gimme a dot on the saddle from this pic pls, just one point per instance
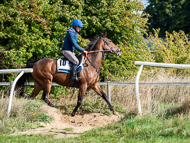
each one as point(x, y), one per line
point(64, 65)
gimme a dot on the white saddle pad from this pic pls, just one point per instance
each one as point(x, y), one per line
point(67, 67)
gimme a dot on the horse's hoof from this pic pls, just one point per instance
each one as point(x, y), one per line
point(51, 105)
point(73, 114)
point(115, 113)
point(29, 98)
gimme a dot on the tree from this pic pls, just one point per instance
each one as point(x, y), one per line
point(34, 29)
point(26, 33)
point(174, 48)
point(168, 15)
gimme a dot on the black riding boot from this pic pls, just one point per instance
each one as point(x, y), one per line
point(74, 74)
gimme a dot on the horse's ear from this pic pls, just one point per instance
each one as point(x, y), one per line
point(101, 34)
point(105, 34)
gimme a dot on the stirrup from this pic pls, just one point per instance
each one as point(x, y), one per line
point(75, 79)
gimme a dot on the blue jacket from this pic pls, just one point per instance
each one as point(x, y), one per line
point(70, 42)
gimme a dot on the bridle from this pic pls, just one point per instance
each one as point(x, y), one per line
point(103, 52)
point(105, 42)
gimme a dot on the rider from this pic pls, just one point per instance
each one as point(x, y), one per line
point(69, 46)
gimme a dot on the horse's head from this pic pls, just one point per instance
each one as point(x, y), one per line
point(109, 45)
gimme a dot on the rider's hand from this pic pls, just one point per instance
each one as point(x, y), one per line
point(85, 52)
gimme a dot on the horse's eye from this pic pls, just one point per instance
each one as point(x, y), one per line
point(110, 41)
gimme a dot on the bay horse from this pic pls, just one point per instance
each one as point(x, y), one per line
point(45, 72)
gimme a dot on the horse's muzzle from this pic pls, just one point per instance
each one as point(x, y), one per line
point(118, 52)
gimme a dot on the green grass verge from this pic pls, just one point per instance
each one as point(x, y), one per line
point(24, 115)
point(173, 129)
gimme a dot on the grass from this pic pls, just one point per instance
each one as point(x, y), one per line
point(165, 113)
point(167, 128)
point(145, 129)
point(24, 115)
point(68, 129)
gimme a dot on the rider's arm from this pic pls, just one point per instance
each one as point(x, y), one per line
point(73, 40)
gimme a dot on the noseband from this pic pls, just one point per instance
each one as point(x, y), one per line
point(106, 42)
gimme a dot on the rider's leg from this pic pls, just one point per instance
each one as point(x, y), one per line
point(72, 58)
point(74, 74)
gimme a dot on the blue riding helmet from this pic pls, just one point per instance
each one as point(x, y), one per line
point(77, 22)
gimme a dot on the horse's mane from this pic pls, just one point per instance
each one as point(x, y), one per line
point(93, 43)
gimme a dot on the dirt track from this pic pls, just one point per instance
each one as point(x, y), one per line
point(79, 123)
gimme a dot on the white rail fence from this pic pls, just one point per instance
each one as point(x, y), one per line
point(182, 66)
point(22, 71)
point(108, 83)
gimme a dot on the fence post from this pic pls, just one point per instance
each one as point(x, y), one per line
point(12, 90)
point(11, 84)
point(108, 91)
point(137, 90)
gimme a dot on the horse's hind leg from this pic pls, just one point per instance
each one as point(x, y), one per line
point(37, 88)
point(45, 95)
point(98, 90)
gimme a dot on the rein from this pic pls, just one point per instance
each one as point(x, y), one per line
point(103, 52)
point(90, 52)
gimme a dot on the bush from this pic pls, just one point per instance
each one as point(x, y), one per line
point(35, 29)
point(173, 49)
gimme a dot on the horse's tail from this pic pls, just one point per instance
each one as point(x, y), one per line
point(20, 83)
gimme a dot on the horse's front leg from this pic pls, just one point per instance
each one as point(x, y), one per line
point(82, 90)
point(98, 90)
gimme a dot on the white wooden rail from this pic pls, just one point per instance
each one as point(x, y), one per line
point(22, 71)
point(183, 66)
point(108, 83)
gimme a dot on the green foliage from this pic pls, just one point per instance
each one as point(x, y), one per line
point(35, 29)
point(119, 18)
point(122, 67)
point(173, 49)
point(172, 15)
point(26, 31)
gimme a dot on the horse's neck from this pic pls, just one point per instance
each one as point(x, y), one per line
point(96, 58)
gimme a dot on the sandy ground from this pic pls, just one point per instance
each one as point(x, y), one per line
point(78, 123)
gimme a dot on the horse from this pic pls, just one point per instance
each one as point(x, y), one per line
point(45, 72)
